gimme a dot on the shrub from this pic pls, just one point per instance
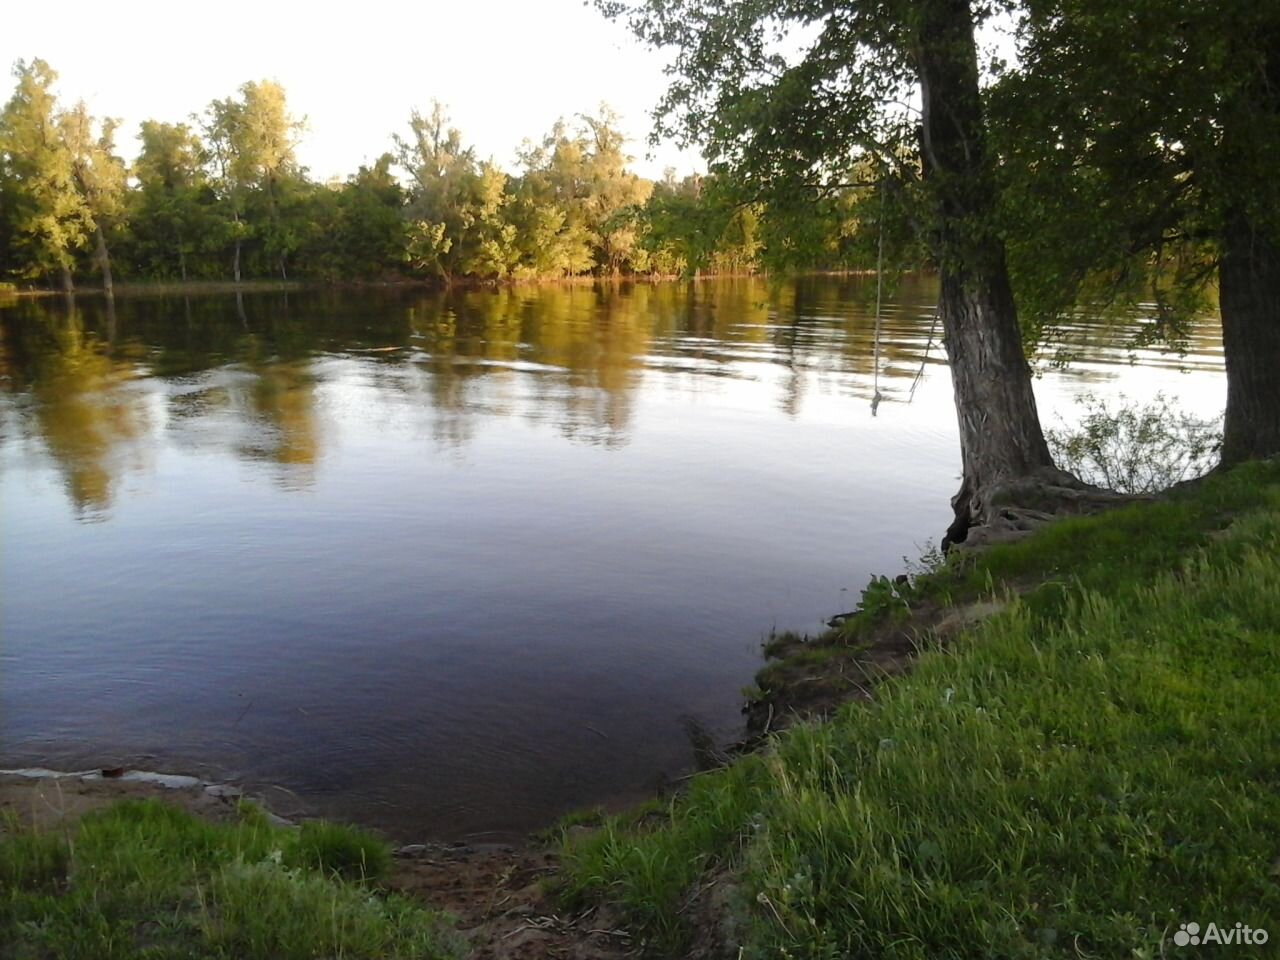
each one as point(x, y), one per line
point(1136, 448)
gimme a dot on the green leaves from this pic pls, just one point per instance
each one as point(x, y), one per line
point(1126, 136)
point(1136, 448)
point(50, 217)
point(223, 195)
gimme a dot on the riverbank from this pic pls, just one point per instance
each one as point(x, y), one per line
point(1082, 761)
point(125, 869)
point(136, 288)
point(1058, 747)
point(131, 864)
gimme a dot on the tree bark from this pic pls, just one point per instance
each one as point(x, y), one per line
point(68, 284)
point(1002, 447)
point(1249, 298)
point(1249, 271)
point(236, 268)
point(104, 262)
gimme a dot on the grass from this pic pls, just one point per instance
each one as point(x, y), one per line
point(1075, 777)
point(144, 879)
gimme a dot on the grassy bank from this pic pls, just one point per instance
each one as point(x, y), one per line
point(144, 879)
point(1076, 776)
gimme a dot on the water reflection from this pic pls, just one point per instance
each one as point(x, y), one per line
point(73, 391)
point(410, 554)
point(94, 382)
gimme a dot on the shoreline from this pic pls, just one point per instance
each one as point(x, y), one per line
point(498, 894)
point(139, 288)
point(1025, 688)
point(116, 776)
point(981, 657)
point(53, 796)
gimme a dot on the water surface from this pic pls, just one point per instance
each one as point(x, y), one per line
point(457, 564)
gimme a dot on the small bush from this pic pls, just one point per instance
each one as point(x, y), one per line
point(1136, 448)
point(930, 562)
point(883, 598)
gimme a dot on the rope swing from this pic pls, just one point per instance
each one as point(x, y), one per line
point(875, 376)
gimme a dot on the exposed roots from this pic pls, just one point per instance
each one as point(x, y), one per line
point(1010, 508)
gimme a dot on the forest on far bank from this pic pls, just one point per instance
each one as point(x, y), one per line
point(222, 196)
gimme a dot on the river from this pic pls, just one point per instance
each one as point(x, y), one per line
point(452, 565)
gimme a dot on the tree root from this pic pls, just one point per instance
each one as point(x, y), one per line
point(1010, 509)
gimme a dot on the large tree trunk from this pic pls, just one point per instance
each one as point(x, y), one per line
point(1002, 446)
point(236, 268)
point(104, 262)
point(68, 284)
point(1249, 297)
point(1249, 272)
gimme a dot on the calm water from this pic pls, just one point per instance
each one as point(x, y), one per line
point(458, 564)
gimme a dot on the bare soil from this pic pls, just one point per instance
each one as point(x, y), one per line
point(500, 896)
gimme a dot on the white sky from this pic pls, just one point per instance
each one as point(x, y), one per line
point(506, 69)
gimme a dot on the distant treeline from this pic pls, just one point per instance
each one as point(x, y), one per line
point(223, 197)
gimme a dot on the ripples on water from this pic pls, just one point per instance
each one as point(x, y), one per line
point(460, 563)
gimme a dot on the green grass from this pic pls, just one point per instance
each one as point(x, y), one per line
point(814, 656)
point(1074, 778)
point(1126, 546)
point(144, 879)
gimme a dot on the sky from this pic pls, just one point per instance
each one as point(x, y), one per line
point(505, 69)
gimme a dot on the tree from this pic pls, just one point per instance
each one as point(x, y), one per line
point(550, 193)
point(252, 141)
point(442, 171)
point(683, 226)
point(614, 195)
point(229, 177)
point(50, 218)
point(99, 176)
point(172, 203)
point(796, 125)
point(1154, 127)
point(577, 179)
point(694, 224)
point(358, 228)
point(458, 207)
point(487, 246)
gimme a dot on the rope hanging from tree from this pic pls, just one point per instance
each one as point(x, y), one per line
point(875, 376)
point(933, 328)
